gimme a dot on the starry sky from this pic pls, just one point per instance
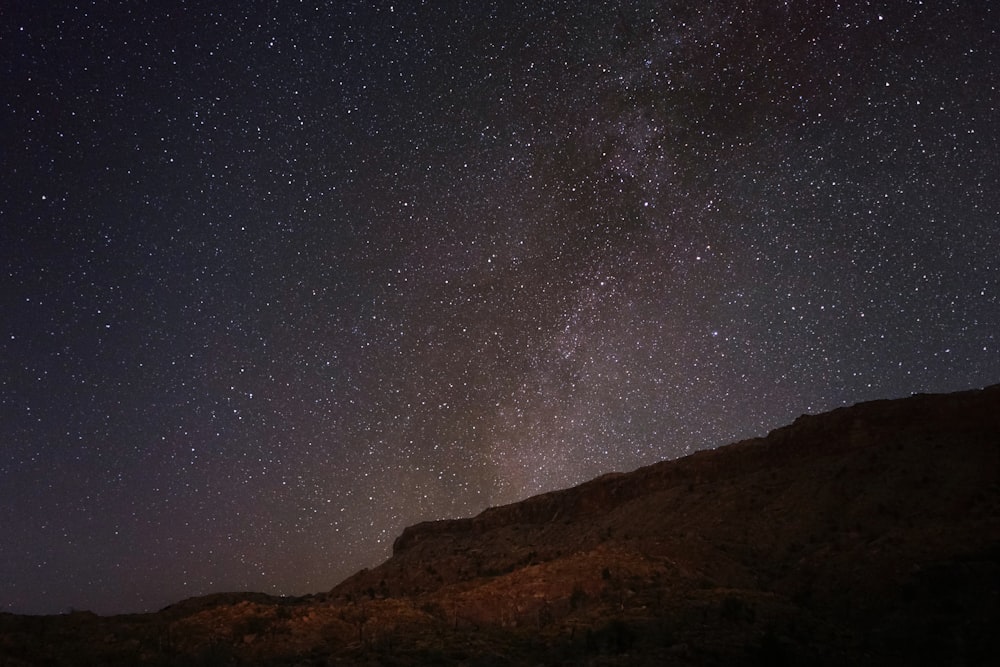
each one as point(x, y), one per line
point(281, 278)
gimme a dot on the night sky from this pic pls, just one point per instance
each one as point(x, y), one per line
point(282, 278)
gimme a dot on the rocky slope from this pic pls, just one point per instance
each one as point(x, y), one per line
point(867, 535)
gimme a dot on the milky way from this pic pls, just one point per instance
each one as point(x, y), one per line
point(281, 280)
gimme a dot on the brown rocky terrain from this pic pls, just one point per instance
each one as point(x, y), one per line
point(866, 535)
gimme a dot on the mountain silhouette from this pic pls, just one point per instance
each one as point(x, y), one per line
point(865, 535)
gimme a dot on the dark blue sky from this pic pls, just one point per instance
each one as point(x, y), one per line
point(280, 279)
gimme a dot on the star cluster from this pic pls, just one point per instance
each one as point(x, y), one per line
point(280, 279)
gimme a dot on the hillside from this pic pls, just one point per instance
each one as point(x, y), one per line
point(866, 535)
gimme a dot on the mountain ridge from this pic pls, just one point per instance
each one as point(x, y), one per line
point(493, 516)
point(809, 437)
point(869, 534)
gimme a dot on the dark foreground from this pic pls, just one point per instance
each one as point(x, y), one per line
point(867, 535)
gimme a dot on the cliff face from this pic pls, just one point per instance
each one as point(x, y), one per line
point(866, 535)
point(835, 533)
point(855, 473)
point(964, 418)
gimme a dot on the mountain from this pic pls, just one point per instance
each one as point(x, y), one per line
point(866, 535)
